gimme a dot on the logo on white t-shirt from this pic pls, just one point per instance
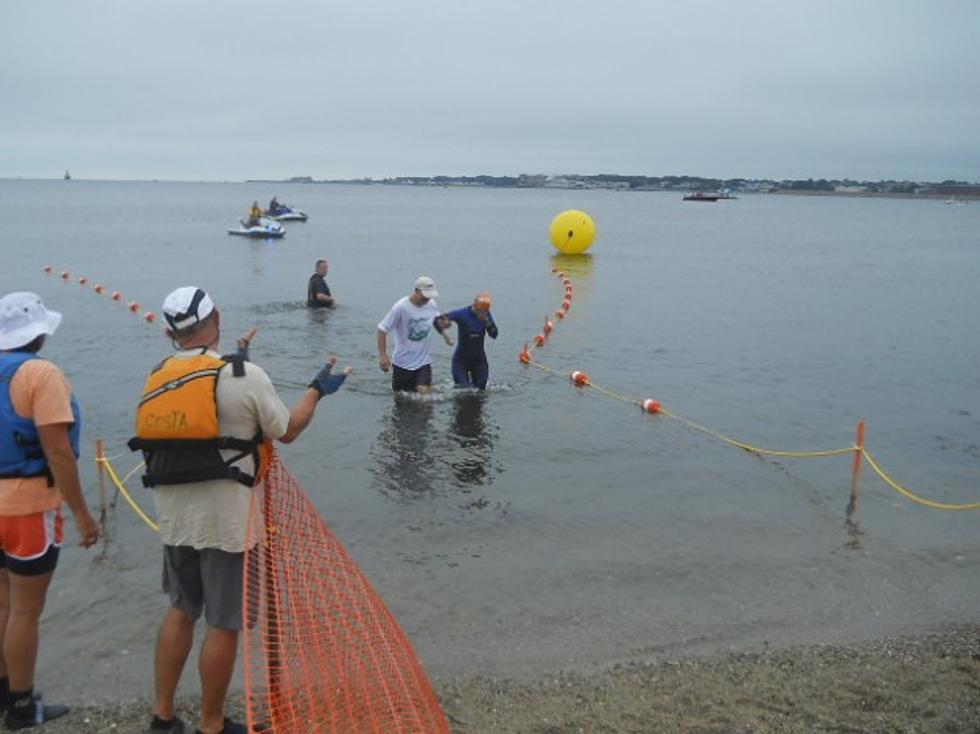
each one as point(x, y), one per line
point(418, 329)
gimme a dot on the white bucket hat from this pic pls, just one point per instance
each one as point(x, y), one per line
point(23, 318)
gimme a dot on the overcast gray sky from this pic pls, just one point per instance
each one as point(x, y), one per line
point(232, 89)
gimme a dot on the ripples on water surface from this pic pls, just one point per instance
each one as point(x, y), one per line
point(538, 525)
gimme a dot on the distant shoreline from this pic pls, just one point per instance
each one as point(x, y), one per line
point(878, 195)
point(970, 192)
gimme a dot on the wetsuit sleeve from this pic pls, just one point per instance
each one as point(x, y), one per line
point(491, 326)
point(311, 291)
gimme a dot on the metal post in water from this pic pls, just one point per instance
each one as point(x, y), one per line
point(856, 472)
point(103, 514)
point(100, 460)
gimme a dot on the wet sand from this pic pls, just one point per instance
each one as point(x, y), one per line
point(924, 683)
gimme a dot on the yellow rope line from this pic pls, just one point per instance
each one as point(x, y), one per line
point(750, 447)
point(697, 426)
point(125, 493)
point(133, 471)
point(614, 395)
point(904, 491)
point(910, 495)
point(545, 368)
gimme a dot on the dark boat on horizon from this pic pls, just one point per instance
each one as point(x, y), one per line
point(701, 196)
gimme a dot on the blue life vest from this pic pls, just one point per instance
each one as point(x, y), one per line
point(20, 447)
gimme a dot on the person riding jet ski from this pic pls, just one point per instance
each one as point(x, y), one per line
point(254, 215)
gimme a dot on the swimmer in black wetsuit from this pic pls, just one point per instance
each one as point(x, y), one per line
point(470, 368)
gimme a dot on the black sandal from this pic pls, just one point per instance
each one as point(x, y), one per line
point(42, 714)
point(167, 726)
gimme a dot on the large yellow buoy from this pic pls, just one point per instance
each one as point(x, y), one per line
point(572, 232)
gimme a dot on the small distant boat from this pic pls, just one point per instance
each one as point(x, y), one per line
point(954, 200)
point(702, 196)
point(286, 213)
point(265, 229)
point(67, 176)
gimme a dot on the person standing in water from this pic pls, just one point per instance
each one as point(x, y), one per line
point(470, 367)
point(39, 431)
point(410, 321)
point(317, 291)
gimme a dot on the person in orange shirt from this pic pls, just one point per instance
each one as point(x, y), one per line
point(39, 427)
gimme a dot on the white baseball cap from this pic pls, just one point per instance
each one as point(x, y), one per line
point(426, 286)
point(187, 306)
point(23, 318)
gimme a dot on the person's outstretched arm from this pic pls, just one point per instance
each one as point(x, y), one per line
point(301, 415)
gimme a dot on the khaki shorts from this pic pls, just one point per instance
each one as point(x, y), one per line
point(208, 579)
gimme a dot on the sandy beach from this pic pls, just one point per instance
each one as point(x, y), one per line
point(921, 684)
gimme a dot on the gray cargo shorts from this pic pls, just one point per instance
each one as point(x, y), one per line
point(208, 579)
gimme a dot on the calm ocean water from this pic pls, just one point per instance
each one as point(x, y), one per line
point(540, 526)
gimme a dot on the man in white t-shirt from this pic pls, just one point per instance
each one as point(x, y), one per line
point(200, 425)
point(410, 322)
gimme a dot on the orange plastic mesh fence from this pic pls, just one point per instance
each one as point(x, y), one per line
point(323, 654)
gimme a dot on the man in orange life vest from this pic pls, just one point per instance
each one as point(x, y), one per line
point(201, 425)
point(39, 430)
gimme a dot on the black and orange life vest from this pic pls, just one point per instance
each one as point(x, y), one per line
point(177, 424)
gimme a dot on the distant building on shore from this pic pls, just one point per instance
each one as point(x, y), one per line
point(957, 190)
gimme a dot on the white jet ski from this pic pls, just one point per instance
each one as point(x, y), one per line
point(286, 213)
point(265, 229)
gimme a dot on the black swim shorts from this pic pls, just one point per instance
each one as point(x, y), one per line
point(403, 380)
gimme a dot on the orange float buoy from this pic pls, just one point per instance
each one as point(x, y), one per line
point(150, 317)
point(548, 325)
point(48, 269)
point(566, 282)
point(539, 340)
point(99, 288)
point(650, 406)
point(65, 275)
point(566, 304)
point(559, 314)
point(83, 280)
point(134, 306)
point(579, 378)
point(116, 296)
point(525, 355)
